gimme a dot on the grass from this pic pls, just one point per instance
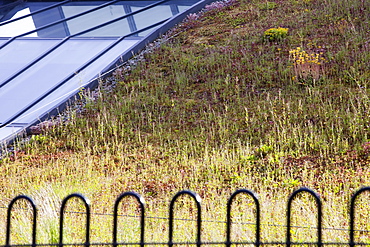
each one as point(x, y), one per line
point(215, 108)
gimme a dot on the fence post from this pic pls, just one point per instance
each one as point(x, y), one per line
point(141, 202)
point(8, 225)
point(61, 222)
point(319, 215)
point(258, 216)
point(197, 199)
point(352, 215)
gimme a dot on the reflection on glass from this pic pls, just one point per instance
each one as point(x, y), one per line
point(19, 53)
point(96, 18)
point(18, 27)
point(157, 14)
point(88, 20)
point(116, 29)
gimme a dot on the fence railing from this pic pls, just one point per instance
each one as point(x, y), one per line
point(228, 241)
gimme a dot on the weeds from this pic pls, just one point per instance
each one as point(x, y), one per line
point(214, 109)
point(267, 5)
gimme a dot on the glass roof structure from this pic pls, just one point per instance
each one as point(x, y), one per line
point(49, 50)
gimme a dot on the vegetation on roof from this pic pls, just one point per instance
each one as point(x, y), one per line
point(263, 95)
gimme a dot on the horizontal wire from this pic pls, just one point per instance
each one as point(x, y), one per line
point(222, 222)
point(212, 221)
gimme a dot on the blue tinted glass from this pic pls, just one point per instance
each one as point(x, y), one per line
point(21, 52)
point(29, 23)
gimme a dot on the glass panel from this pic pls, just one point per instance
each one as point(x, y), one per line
point(9, 131)
point(2, 41)
point(13, 12)
point(156, 14)
point(84, 22)
point(45, 18)
point(27, 95)
point(32, 22)
point(20, 26)
point(96, 18)
point(47, 73)
point(183, 8)
point(19, 53)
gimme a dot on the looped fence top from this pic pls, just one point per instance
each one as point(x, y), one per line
point(196, 198)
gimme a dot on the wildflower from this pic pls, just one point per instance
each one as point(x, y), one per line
point(274, 34)
point(216, 5)
point(306, 65)
point(192, 17)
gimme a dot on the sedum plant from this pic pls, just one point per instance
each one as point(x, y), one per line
point(275, 34)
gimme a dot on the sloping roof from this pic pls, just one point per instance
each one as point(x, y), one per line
point(50, 50)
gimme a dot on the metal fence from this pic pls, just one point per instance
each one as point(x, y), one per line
point(228, 241)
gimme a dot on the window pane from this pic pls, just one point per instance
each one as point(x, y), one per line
point(19, 53)
point(157, 14)
point(96, 18)
point(18, 27)
point(24, 89)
